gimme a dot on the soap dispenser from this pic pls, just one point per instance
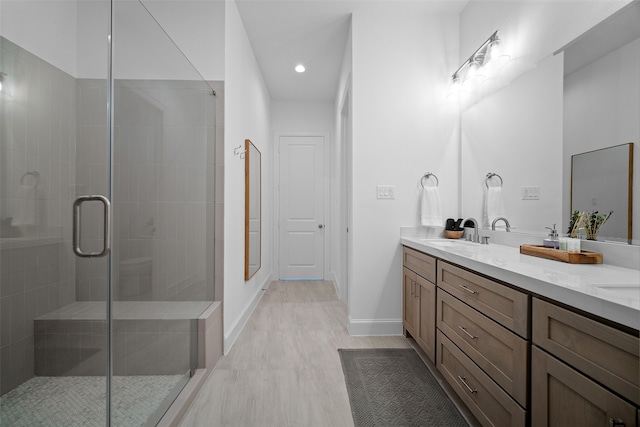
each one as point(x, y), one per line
point(552, 241)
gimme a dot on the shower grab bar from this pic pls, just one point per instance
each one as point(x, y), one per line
point(106, 246)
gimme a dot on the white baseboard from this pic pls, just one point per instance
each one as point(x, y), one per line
point(231, 336)
point(375, 327)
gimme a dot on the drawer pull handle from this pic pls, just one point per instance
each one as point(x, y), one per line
point(616, 422)
point(463, 329)
point(471, 390)
point(471, 291)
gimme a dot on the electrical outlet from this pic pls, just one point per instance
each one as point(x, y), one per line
point(530, 193)
point(386, 191)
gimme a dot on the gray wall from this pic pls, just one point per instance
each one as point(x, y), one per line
point(37, 270)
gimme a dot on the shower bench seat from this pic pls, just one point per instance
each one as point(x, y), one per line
point(149, 337)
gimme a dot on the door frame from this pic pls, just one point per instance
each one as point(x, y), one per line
point(276, 191)
point(345, 191)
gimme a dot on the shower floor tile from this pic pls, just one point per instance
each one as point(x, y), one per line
point(80, 401)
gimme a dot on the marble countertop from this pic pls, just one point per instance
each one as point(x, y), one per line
point(604, 290)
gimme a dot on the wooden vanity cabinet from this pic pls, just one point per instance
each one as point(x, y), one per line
point(419, 299)
point(583, 372)
point(516, 359)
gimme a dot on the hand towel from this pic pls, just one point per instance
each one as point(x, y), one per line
point(430, 210)
point(493, 205)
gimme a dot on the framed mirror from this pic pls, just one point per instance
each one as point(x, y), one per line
point(252, 210)
point(601, 180)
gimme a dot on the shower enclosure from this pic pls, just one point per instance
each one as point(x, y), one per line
point(107, 207)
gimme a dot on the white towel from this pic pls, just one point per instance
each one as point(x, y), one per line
point(430, 210)
point(493, 205)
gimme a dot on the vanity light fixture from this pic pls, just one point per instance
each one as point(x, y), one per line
point(300, 68)
point(471, 70)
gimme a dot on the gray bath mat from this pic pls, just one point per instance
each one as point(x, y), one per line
point(393, 387)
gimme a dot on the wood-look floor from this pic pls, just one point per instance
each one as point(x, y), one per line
point(284, 369)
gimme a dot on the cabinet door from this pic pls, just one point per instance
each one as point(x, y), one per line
point(607, 355)
point(426, 337)
point(409, 302)
point(561, 396)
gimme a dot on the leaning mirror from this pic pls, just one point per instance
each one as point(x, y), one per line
point(593, 176)
point(253, 210)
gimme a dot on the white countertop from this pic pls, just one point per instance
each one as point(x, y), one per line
point(604, 290)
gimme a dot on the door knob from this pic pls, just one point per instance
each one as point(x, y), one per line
point(320, 226)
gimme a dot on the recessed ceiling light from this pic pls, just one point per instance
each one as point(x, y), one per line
point(300, 68)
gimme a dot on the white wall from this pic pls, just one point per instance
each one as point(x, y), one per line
point(402, 128)
point(530, 30)
point(55, 19)
point(247, 116)
point(294, 116)
point(72, 36)
point(197, 28)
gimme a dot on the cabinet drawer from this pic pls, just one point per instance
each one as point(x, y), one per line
point(423, 264)
point(561, 396)
point(488, 402)
point(501, 303)
point(498, 351)
point(605, 354)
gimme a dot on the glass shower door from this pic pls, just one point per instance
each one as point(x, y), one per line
point(106, 202)
point(161, 281)
point(54, 149)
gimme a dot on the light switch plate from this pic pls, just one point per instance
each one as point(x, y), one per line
point(386, 191)
point(530, 193)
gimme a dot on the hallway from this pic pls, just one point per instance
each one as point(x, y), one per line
point(284, 369)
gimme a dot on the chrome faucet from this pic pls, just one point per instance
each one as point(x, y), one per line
point(506, 223)
point(476, 234)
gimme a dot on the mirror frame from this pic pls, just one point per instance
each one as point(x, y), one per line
point(252, 157)
point(629, 178)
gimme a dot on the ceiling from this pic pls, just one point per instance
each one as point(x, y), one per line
point(284, 33)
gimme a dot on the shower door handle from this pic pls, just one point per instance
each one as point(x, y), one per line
point(106, 247)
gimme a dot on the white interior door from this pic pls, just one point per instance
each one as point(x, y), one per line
point(302, 187)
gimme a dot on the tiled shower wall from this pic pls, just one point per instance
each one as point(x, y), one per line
point(164, 190)
point(37, 122)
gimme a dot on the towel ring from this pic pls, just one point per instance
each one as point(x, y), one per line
point(491, 175)
point(34, 174)
point(427, 175)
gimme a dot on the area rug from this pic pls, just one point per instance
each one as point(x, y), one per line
point(393, 387)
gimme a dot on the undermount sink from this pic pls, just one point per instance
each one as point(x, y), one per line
point(449, 243)
point(622, 291)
